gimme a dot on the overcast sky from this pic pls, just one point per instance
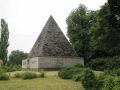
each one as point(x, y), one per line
point(26, 18)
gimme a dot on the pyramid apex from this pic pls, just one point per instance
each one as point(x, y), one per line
point(51, 17)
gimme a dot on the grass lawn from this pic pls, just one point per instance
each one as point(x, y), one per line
point(48, 83)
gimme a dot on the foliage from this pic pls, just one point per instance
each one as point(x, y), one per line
point(116, 72)
point(108, 83)
point(78, 65)
point(2, 70)
point(114, 20)
point(42, 73)
point(78, 23)
point(89, 80)
point(17, 75)
point(11, 68)
point(65, 73)
point(28, 75)
point(4, 36)
point(4, 76)
point(16, 57)
point(68, 73)
point(117, 84)
point(108, 63)
point(105, 38)
point(100, 81)
point(77, 77)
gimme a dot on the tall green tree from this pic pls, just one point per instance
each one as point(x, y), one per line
point(105, 37)
point(16, 57)
point(114, 6)
point(78, 23)
point(4, 36)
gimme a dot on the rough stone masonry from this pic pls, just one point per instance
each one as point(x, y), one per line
point(52, 50)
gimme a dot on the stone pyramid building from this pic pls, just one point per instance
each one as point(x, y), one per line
point(51, 50)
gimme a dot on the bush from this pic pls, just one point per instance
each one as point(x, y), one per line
point(79, 66)
point(117, 84)
point(11, 68)
point(65, 73)
point(116, 72)
point(4, 76)
point(17, 75)
point(100, 82)
point(78, 77)
point(108, 63)
point(2, 70)
point(28, 75)
point(108, 83)
point(42, 73)
point(68, 73)
point(89, 80)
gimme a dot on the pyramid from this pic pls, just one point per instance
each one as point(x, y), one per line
point(52, 42)
point(51, 50)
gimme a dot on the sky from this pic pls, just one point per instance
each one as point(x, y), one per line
point(26, 18)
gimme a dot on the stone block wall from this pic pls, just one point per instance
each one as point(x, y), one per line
point(58, 62)
point(50, 62)
point(24, 64)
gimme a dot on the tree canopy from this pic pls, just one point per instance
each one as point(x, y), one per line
point(4, 36)
point(78, 23)
point(16, 57)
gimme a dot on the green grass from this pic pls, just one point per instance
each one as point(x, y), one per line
point(48, 83)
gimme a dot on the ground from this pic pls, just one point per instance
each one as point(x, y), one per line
point(50, 82)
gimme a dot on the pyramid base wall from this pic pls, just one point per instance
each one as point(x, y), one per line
point(50, 63)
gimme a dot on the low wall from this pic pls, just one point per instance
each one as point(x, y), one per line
point(51, 63)
point(58, 62)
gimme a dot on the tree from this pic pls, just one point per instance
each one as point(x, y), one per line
point(105, 38)
point(78, 23)
point(16, 57)
point(4, 36)
point(114, 6)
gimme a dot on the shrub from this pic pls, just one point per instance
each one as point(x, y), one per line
point(28, 75)
point(17, 75)
point(65, 73)
point(116, 72)
point(2, 70)
point(68, 73)
point(108, 83)
point(79, 65)
point(4, 76)
point(100, 82)
point(117, 84)
point(12, 68)
point(78, 77)
point(105, 63)
point(89, 80)
point(116, 87)
point(42, 73)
